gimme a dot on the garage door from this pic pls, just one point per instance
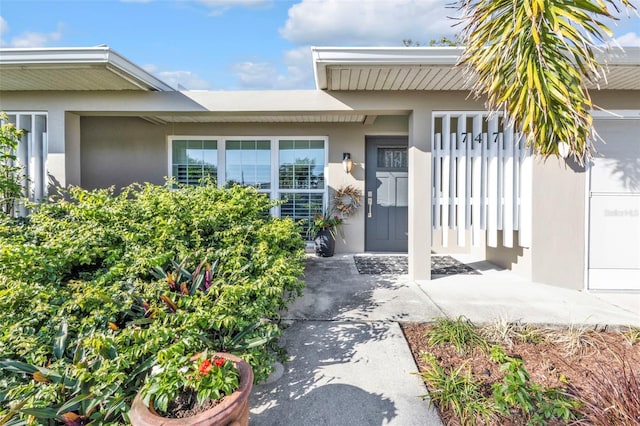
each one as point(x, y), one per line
point(614, 202)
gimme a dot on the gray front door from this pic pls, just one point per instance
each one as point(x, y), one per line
point(386, 194)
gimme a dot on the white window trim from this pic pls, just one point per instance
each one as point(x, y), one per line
point(275, 191)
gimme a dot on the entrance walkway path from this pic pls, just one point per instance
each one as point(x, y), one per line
point(349, 363)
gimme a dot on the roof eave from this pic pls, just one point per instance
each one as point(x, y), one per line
point(379, 56)
point(99, 55)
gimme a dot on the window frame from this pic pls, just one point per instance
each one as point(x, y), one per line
point(275, 191)
point(172, 139)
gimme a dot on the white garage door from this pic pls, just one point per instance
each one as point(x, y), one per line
point(614, 202)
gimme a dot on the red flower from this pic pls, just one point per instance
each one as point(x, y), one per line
point(219, 361)
point(205, 366)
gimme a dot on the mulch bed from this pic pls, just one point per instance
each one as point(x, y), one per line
point(548, 363)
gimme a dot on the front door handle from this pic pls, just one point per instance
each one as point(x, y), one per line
point(370, 204)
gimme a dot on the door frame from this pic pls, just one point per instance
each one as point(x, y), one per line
point(398, 139)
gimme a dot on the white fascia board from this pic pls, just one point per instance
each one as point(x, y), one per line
point(388, 55)
point(55, 55)
point(78, 56)
point(615, 114)
point(620, 56)
point(137, 73)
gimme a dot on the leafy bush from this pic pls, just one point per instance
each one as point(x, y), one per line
point(85, 317)
point(516, 390)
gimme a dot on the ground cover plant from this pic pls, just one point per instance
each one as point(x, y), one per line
point(97, 289)
point(514, 374)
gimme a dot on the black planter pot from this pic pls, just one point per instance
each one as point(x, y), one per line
point(325, 244)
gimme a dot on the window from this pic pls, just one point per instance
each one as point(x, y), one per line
point(392, 158)
point(301, 177)
point(301, 164)
point(248, 162)
point(288, 169)
point(194, 160)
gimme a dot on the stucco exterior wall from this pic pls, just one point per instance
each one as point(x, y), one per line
point(96, 140)
point(121, 150)
point(516, 259)
point(558, 244)
point(118, 151)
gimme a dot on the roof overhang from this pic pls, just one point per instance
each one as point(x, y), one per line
point(78, 69)
point(434, 68)
point(263, 106)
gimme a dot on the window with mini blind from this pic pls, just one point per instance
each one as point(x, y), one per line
point(288, 169)
point(301, 164)
point(193, 160)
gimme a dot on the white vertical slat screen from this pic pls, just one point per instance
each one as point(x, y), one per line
point(32, 154)
point(445, 201)
point(437, 178)
point(492, 183)
point(477, 183)
point(461, 179)
point(481, 179)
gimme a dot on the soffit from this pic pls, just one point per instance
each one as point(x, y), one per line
point(421, 69)
point(72, 69)
point(439, 77)
point(263, 118)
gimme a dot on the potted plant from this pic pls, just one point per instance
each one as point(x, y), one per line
point(324, 227)
point(197, 390)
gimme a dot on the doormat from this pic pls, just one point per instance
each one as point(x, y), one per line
point(398, 265)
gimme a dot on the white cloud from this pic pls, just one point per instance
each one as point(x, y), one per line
point(368, 22)
point(4, 26)
point(218, 7)
point(255, 75)
point(630, 39)
point(234, 3)
point(264, 75)
point(31, 39)
point(186, 80)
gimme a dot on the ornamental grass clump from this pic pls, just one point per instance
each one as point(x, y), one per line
point(461, 333)
point(611, 397)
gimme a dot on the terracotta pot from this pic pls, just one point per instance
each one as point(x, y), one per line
point(324, 243)
point(232, 411)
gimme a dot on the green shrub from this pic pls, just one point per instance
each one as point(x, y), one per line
point(85, 317)
point(516, 390)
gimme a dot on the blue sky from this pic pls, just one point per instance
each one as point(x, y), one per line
point(232, 44)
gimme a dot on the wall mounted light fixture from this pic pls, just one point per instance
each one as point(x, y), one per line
point(347, 163)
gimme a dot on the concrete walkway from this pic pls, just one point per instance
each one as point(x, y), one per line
point(349, 362)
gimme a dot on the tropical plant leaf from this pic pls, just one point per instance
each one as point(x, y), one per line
point(533, 60)
point(6, 420)
point(60, 340)
point(17, 366)
point(73, 402)
point(41, 412)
